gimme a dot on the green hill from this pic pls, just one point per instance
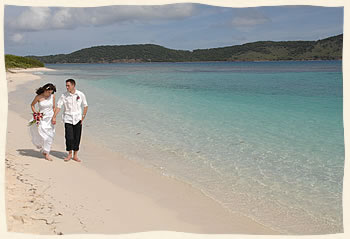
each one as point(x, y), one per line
point(12, 61)
point(325, 49)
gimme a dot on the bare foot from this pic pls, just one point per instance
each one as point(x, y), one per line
point(47, 157)
point(76, 159)
point(66, 159)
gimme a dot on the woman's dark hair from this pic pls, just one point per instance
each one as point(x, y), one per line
point(48, 86)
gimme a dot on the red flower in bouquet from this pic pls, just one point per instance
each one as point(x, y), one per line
point(37, 116)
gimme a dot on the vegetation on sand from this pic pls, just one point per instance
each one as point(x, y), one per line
point(12, 61)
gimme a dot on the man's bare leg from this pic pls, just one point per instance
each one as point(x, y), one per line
point(69, 156)
point(75, 157)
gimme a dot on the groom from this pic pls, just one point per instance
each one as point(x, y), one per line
point(72, 117)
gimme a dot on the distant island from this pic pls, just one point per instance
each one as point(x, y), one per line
point(325, 49)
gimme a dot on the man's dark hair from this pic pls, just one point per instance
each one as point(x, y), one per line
point(71, 81)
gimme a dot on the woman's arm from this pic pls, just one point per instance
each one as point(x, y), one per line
point(54, 104)
point(33, 103)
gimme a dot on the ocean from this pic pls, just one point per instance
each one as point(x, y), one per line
point(263, 139)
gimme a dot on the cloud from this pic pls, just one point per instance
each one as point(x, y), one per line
point(249, 18)
point(34, 18)
point(44, 18)
point(17, 37)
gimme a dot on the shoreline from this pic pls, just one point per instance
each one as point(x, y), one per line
point(124, 198)
point(18, 76)
point(175, 62)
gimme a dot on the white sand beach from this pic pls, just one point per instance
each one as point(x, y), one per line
point(60, 197)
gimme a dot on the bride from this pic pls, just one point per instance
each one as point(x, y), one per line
point(43, 133)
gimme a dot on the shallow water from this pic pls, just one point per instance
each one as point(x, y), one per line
point(264, 139)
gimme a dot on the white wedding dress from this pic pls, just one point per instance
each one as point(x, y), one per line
point(44, 132)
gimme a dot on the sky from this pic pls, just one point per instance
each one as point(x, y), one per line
point(61, 30)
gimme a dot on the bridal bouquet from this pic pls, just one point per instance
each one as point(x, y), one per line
point(37, 116)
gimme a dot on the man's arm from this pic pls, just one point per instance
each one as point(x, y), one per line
point(84, 113)
point(83, 98)
point(57, 109)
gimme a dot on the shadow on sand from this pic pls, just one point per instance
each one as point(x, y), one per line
point(36, 154)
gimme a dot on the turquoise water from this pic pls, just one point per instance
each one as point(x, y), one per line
point(264, 139)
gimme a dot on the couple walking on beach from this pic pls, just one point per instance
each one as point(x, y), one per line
point(43, 131)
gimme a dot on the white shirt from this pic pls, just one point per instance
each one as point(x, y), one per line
point(72, 106)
